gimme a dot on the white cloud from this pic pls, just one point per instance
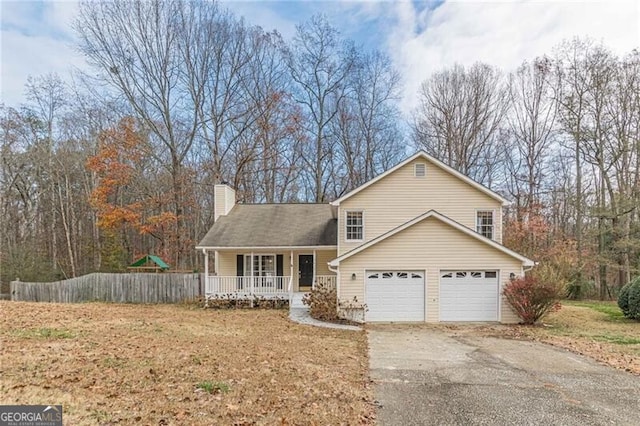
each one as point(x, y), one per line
point(264, 14)
point(36, 39)
point(500, 33)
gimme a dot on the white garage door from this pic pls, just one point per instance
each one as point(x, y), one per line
point(468, 296)
point(394, 295)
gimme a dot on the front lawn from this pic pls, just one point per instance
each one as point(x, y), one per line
point(168, 364)
point(596, 329)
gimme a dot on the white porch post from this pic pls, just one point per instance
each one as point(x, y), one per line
point(216, 263)
point(206, 275)
point(251, 289)
point(291, 275)
point(313, 282)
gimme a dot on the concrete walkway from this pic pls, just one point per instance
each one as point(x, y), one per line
point(299, 312)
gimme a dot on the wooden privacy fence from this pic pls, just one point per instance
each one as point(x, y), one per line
point(118, 288)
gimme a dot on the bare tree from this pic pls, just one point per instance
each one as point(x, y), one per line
point(367, 126)
point(319, 62)
point(531, 121)
point(46, 95)
point(571, 97)
point(460, 119)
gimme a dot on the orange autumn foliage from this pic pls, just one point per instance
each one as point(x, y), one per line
point(117, 165)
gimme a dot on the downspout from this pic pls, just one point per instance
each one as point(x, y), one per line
point(337, 272)
point(530, 267)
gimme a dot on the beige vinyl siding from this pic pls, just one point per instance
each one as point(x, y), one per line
point(225, 199)
point(322, 259)
point(431, 246)
point(227, 262)
point(400, 197)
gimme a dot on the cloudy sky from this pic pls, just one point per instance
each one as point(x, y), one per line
point(420, 37)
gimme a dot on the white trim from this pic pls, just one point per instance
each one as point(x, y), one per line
point(500, 283)
point(346, 212)
point(436, 162)
point(206, 265)
point(268, 248)
point(291, 263)
point(493, 221)
point(432, 213)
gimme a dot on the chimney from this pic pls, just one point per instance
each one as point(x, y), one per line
point(224, 198)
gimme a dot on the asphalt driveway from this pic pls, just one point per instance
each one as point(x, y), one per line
point(430, 376)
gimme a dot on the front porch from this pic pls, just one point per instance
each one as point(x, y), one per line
point(267, 273)
point(267, 287)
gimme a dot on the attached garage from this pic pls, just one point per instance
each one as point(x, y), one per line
point(469, 295)
point(394, 296)
point(459, 280)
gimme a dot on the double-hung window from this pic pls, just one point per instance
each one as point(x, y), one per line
point(484, 223)
point(354, 230)
point(264, 265)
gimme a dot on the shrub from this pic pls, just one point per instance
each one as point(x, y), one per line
point(629, 299)
point(322, 302)
point(531, 298)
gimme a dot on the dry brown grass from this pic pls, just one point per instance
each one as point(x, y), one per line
point(594, 329)
point(108, 364)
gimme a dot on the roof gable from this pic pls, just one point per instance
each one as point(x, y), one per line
point(432, 214)
point(435, 162)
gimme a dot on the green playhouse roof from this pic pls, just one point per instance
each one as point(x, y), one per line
point(150, 258)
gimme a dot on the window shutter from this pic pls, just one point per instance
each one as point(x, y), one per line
point(240, 265)
point(279, 267)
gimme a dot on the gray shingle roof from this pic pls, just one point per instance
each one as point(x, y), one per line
point(274, 225)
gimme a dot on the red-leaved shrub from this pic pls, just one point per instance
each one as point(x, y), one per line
point(531, 299)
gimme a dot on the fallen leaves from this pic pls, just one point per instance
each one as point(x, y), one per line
point(143, 363)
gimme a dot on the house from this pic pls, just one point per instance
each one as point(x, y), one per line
point(420, 242)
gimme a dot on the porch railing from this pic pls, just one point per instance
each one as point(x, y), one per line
point(328, 281)
point(247, 286)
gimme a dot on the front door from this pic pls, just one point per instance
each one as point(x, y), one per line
point(305, 270)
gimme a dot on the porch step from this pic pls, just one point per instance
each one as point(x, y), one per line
point(296, 300)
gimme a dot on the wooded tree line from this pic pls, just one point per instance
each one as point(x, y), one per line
point(185, 95)
point(560, 136)
point(181, 96)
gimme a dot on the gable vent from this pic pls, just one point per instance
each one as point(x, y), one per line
point(420, 170)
